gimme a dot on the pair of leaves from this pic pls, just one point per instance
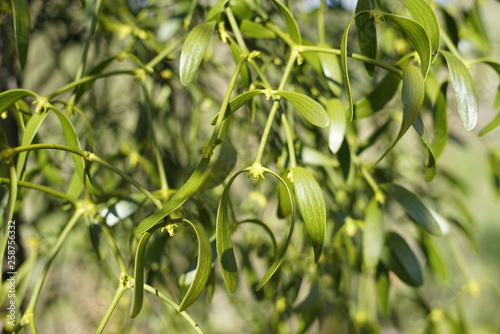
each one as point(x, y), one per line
point(210, 171)
point(203, 268)
point(224, 244)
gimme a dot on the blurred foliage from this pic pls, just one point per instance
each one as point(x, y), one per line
point(405, 245)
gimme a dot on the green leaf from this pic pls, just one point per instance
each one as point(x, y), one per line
point(284, 204)
point(367, 33)
point(414, 208)
point(22, 29)
point(29, 134)
point(373, 234)
point(418, 38)
point(244, 72)
point(495, 122)
point(255, 30)
point(311, 205)
point(203, 268)
point(83, 3)
point(400, 259)
point(311, 110)
point(440, 121)
point(338, 119)
point(8, 98)
point(216, 9)
point(436, 260)
point(238, 102)
point(413, 98)
point(223, 165)
point(331, 69)
point(423, 14)
point(224, 244)
point(377, 99)
point(292, 28)
point(194, 49)
point(465, 90)
point(188, 189)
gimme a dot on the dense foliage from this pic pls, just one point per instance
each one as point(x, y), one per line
point(130, 127)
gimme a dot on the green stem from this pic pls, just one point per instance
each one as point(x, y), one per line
point(321, 22)
point(172, 303)
point(398, 72)
point(289, 140)
point(189, 16)
point(274, 108)
point(160, 56)
point(30, 311)
point(114, 246)
point(227, 97)
point(42, 188)
point(281, 34)
point(116, 298)
point(449, 44)
point(90, 157)
point(236, 30)
point(379, 194)
point(85, 80)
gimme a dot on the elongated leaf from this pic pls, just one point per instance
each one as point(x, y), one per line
point(238, 102)
point(413, 98)
point(465, 90)
point(244, 72)
point(292, 28)
point(22, 29)
point(83, 3)
point(255, 30)
point(223, 165)
point(423, 14)
point(284, 204)
point(194, 49)
point(216, 9)
point(28, 135)
point(224, 244)
point(203, 268)
point(331, 69)
point(376, 100)
point(338, 119)
point(311, 204)
point(367, 33)
point(373, 235)
point(311, 110)
point(414, 208)
point(418, 38)
point(440, 121)
point(188, 189)
point(436, 260)
point(401, 260)
point(495, 123)
point(8, 98)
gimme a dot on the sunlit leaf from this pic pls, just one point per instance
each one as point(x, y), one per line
point(495, 123)
point(367, 33)
point(423, 14)
point(8, 98)
point(413, 98)
point(311, 110)
point(373, 234)
point(238, 102)
point(338, 119)
point(216, 9)
point(331, 69)
point(400, 259)
point(22, 29)
point(414, 208)
point(311, 205)
point(418, 38)
point(255, 30)
point(194, 49)
point(203, 267)
point(465, 90)
point(284, 204)
point(292, 28)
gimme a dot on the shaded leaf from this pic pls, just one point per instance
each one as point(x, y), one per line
point(223, 165)
point(465, 90)
point(203, 267)
point(338, 119)
point(330, 66)
point(8, 98)
point(413, 98)
point(292, 28)
point(194, 49)
point(436, 260)
point(418, 38)
point(382, 93)
point(311, 110)
point(216, 9)
point(414, 208)
point(238, 102)
point(22, 29)
point(244, 72)
point(311, 205)
point(440, 121)
point(373, 234)
point(400, 259)
point(29, 134)
point(367, 33)
point(423, 14)
point(255, 30)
